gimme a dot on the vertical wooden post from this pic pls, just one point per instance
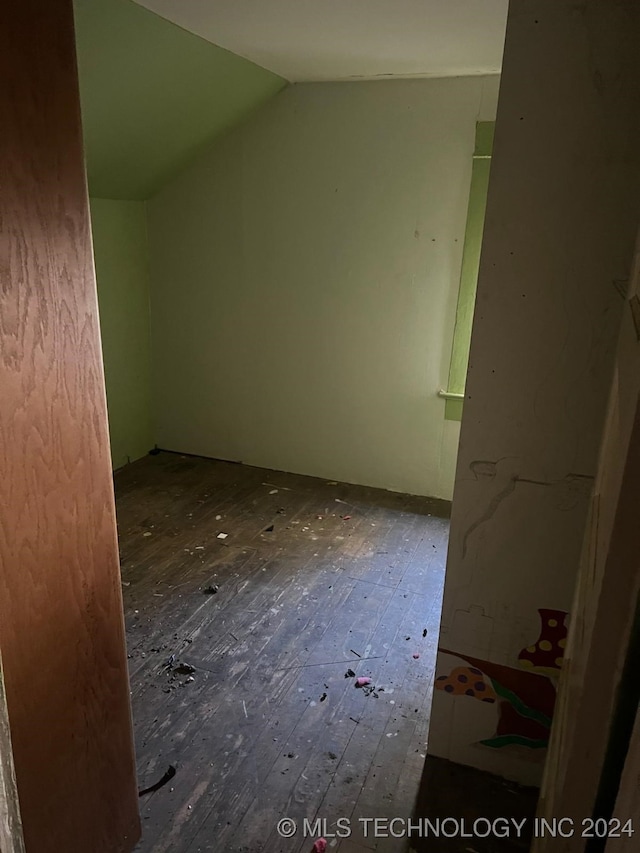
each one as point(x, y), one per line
point(61, 623)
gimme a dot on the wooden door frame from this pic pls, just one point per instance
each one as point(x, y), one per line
point(605, 602)
point(628, 799)
point(66, 722)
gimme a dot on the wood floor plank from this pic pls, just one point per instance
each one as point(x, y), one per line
point(267, 725)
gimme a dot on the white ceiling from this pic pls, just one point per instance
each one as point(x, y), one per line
point(303, 40)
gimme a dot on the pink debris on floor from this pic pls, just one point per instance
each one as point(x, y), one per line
point(416, 655)
point(362, 681)
point(320, 846)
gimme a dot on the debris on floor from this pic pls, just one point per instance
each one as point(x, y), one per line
point(184, 669)
point(171, 772)
point(416, 655)
point(286, 605)
point(278, 488)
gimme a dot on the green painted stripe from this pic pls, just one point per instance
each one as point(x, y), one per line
point(520, 706)
point(484, 138)
point(470, 264)
point(453, 410)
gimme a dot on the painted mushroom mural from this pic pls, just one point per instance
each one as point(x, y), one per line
point(525, 696)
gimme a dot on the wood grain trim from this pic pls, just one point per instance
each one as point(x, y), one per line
point(61, 623)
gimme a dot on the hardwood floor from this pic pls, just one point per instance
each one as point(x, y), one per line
point(312, 580)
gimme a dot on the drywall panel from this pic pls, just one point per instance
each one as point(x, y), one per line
point(304, 283)
point(122, 273)
point(558, 245)
point(61, 623)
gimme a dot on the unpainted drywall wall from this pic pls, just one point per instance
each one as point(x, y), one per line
point(558, 245)
point(122, 273)
point(304, 283)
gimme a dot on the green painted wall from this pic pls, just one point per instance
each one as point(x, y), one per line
point(153, 95)
point(304, 282)
point(122, 272)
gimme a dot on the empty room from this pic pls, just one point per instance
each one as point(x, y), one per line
point(319, 343)
point(283, 263)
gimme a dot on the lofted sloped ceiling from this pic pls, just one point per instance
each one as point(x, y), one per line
point(313, 40)
point(154, 95)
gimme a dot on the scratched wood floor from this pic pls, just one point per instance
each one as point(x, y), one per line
point(268, 726)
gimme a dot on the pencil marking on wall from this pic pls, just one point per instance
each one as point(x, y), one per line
point(491, 509)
